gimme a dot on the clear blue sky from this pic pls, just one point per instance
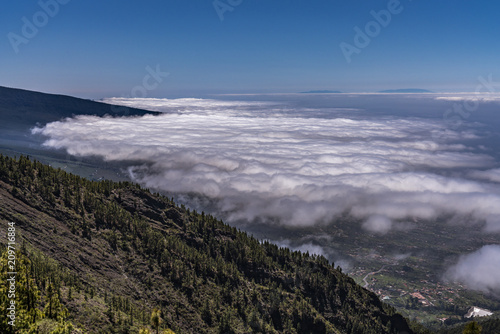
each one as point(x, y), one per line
point(101, 48)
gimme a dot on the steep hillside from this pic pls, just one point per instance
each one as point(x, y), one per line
point(105, 255)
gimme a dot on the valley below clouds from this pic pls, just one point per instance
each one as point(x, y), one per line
point(290, 162)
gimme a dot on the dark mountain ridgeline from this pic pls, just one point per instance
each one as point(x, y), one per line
point(22, 109)
point(110, 253)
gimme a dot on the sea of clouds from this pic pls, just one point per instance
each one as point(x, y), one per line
point(296, 165)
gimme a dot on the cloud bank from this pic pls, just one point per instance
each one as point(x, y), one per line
point(479, 270)
point(183, 104)
point(261, 161)
point(480, 97)
point(492, 175)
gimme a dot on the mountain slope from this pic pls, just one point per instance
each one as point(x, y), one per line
point(121, 252)
point(22, 109)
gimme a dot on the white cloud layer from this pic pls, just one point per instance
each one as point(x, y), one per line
point(492, 175)
point(184, 104)
point(479, 96)
point(479, 270)
point(259, 161)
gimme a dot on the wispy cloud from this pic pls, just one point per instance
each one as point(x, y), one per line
point(479, 270)
point(310, 244)
point(492, 175)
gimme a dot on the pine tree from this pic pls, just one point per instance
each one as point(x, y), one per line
point(472, 328)
point(156, 320)
point(53, 307)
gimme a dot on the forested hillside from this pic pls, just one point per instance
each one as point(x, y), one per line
point(483, 326)
point(105, 257)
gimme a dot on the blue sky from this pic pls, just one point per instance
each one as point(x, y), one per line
point(98, 49)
